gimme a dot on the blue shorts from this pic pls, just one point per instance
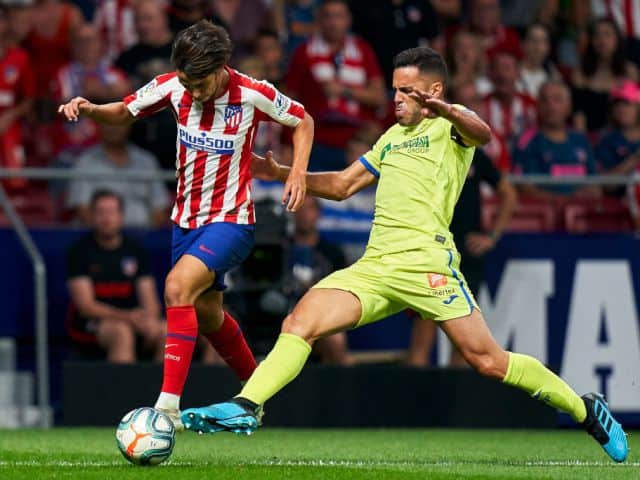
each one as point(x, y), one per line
point(220, 246)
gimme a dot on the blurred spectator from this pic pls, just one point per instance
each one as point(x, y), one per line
point(310, 259)
point(268, 49)
point(508, 112)
point(484, 19)
point(243, 19)
point(536, 66)
point(49, 43)
point(20, 16)
point(496, 149)
point(466, 63)
point(626, 14)
point(294, 21)
point(145, 202)
point(115, 304)
point(618, 152)
point(17, 91)
point(148, 58)
point(114, 20)
point(603, 66)
point(337, 77)
point(473, 244)
point(89, 75)
point(448, 11)
point(350, 220)
point(184, 13)
point(520, 14)
point(551, 149)
point(392, 26)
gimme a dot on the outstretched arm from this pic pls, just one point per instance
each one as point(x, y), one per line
point(473, 130)
point(115, 113)
point(329, 185)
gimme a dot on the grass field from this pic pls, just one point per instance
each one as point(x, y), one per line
point(320, 454)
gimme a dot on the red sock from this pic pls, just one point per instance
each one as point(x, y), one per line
point(182, 331)
point(229, 341)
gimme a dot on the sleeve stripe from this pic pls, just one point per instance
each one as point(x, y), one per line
point(296, 110)
point(369, 167)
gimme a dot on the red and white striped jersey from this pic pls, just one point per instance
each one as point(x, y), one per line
point(214, 142)
point(626, 13)
point(509, 121)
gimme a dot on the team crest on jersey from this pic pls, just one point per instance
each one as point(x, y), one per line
point(129, 266)
point(146, 90)
point(233, 116)
point(10, 74)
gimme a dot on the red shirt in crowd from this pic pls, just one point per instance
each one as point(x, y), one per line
point(312, 64)
point(16, 85)
point(510, 120)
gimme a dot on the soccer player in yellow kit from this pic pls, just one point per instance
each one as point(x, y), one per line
point(411, 261)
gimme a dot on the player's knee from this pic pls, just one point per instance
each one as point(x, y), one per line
point(294, 325)
point(176, 293)
point(485, 364)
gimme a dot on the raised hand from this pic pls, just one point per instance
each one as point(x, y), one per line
point(432, 107)
point(74, 108)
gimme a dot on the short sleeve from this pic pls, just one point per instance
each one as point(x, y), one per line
point(151, 98)
point(275, 104)
point(373, 158)
point(77, 261)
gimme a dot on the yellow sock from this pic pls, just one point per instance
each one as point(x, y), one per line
point(528, 374)
point(282, 365)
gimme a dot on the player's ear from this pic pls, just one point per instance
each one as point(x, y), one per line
point(437, 89)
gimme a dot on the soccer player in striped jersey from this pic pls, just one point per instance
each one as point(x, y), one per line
point(217, 110)
point(420, 165)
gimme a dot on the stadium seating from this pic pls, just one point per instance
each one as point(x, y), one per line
point(601, 215)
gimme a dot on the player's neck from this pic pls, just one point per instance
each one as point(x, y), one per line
point(109, 242)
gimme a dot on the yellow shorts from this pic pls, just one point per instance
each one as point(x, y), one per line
point(427, 281)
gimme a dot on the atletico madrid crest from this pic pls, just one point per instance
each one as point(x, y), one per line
point(232, 116)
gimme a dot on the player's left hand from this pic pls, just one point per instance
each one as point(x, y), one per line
point(294, 190)
point(479, 243)
point(432, 107)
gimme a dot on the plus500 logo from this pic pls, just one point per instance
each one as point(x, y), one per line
point(204, 143)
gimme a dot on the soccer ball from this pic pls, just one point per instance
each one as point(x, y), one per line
point(146, 436)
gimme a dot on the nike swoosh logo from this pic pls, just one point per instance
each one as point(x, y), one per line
point(450, 299)
point(206, 250)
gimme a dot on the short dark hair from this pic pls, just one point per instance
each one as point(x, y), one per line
point(426, 59)
point(105, 193)
point(201, 49)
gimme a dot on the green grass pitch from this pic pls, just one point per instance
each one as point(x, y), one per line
point(320, 454)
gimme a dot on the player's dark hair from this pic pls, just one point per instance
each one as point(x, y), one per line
point(201, 49)
point(105, 193)
point(426, 59)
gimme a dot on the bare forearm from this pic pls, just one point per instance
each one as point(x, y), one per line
point(470, 126)
point(302, 141)
point(319, 184)
point(508, 202)
point(115, 113)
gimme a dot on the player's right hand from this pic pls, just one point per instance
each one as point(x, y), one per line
point(74, 108)
point(264, 168)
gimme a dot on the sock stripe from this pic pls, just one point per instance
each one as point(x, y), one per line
point(188, 338)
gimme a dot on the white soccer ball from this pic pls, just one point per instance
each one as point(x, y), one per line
point(146, 436)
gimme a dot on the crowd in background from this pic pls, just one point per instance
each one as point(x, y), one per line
point(557, 82)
